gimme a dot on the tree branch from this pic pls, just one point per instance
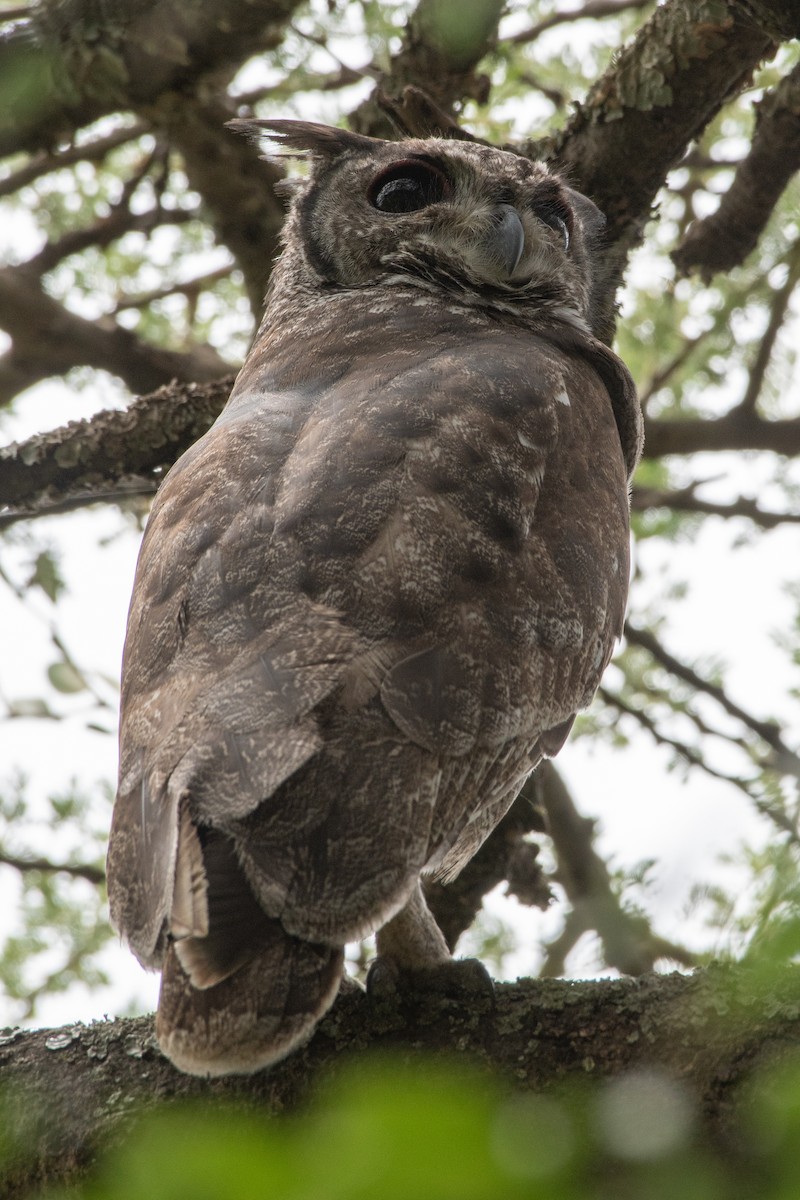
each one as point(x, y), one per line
point(685, 500)
point(443, 46)
point(503, 856)
point(657, 96)
point(724, 239)
point(48, 339)
point(629, 943)
point(737, 430)
point(591, 10)
point(95, 151)
point(77, 870)
point(114, 452)
point(74, 1087)
point(237, 185)
point(768, 731)
point(78, 60)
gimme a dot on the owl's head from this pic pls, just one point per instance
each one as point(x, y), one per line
point(488, 226)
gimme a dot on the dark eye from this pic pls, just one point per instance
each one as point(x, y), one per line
point(554, 211)
point(408, 186)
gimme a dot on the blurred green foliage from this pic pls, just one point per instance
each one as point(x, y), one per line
point(418, 1131)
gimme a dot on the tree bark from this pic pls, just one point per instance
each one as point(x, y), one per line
point(72, 1088)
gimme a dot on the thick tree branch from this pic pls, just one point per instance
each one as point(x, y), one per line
point(724, 239)
point(657, 96)
point(237, 185)
point(505, 855)
point(114, 453)
point(72, 1087)
point(737, 430)
point(78, 60)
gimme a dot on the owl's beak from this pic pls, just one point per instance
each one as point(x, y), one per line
point(506, 240)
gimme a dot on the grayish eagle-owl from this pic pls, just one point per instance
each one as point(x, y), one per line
point(374, 595)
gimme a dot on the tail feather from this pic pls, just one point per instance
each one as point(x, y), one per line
point(253, 1017)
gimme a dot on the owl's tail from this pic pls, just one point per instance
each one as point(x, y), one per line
point(237, 991)
point(253, 1017)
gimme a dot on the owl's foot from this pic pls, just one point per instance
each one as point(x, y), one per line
point(463, 979)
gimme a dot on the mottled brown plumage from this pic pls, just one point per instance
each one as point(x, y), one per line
point(377, 591)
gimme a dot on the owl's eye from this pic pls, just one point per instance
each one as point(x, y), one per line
point(407, 186)
point(556, 212)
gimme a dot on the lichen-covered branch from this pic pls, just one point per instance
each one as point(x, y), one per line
point(636, 122)
point(114, 452)
point(75, 1086)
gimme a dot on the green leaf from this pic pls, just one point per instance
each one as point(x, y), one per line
point(65, 677)
point(30, 706)
point(47, 576)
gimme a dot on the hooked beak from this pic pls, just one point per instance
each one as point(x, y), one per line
point(506, 240)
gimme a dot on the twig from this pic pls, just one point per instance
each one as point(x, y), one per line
point(592, 10)
point(777, 316)
point(86, 871)
point(46, 162)
point(768, 731)
point(685, 500)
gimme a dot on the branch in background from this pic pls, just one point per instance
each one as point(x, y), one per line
point(665, 373)
point(48, 339)
point(685, 500)
point(768, 731)
point(723, 240)
point(693, 758)
point(657, 96)
point(591, 10)
point(70, 63)
point(87, 461)
point(737, 430)
point(629, 943)
point(92, 874)
point(190, 288)
point(107, 230)
point(505, 855)
point(777, 315)
point(45, 162)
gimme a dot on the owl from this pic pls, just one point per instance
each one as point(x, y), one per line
point(375, 594)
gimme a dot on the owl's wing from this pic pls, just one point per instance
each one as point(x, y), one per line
point(225, 661)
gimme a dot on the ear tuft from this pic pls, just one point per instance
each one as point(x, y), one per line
point(323, 141)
